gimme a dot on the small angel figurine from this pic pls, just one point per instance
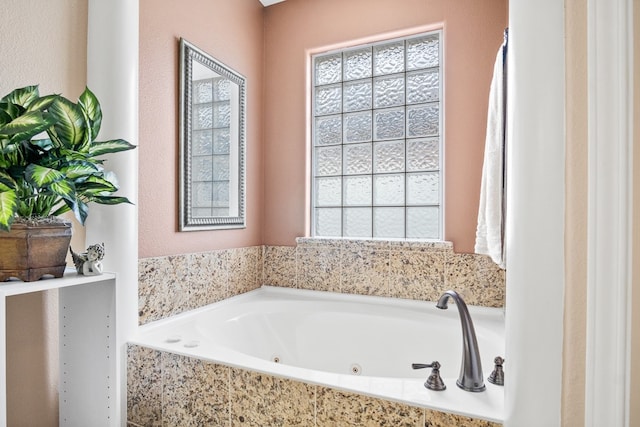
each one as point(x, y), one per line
point(88, 263)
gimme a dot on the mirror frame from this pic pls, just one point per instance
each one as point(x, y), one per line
point(188, 54)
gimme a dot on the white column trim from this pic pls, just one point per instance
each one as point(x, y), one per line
point(112, 74)
point(535, 213)
point(610, 84)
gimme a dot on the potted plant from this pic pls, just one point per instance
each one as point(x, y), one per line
point(49, 164)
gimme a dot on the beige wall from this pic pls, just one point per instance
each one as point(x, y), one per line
point(42, 43)
point(573, 380)
point(473, 32)
point(230, 31)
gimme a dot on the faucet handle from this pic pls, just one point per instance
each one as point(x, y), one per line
point(434, 381)
point(497, 376)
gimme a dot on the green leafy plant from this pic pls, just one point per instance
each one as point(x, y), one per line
point(49, 157)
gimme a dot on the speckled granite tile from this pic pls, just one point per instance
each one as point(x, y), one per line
point(441, 419)
point(208, 278)
point(263, 400)
point(162, 287)
point(421, 246)
point(144, 386)
point(245, 269)
point(338, 408)
point(280, 266)
point(259, 253)
point(318, 268)
point(318, 241)
point(362, 244)
point(480, 280)
point(417, 275)
point(364, 270)
point(195, 392)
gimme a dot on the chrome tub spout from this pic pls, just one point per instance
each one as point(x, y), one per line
point(471, 378)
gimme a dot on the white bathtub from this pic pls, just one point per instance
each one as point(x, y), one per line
point(361, 344)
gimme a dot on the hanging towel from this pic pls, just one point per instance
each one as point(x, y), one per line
point(490, 231)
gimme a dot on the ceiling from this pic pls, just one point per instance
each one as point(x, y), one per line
point(266, 3)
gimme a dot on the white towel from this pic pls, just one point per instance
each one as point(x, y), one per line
point(490, 231)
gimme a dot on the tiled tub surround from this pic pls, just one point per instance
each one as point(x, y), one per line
point(397, 269)
point(172, 284)
point(166, 389)
point(414, 270)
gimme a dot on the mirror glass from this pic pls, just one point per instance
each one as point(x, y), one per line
point(212, 145)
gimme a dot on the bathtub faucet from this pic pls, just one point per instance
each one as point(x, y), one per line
point(471, 378)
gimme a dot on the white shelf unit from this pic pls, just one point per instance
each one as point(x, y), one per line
point(87, 346)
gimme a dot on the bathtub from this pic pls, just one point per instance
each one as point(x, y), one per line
point(361, 344)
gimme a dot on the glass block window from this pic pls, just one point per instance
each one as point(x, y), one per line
point(377, 140)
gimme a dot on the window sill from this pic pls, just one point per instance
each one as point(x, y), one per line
point(376, 243)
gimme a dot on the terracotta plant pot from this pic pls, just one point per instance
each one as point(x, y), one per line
point(28, 252)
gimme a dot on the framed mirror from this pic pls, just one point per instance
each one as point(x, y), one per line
point(212, 142)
